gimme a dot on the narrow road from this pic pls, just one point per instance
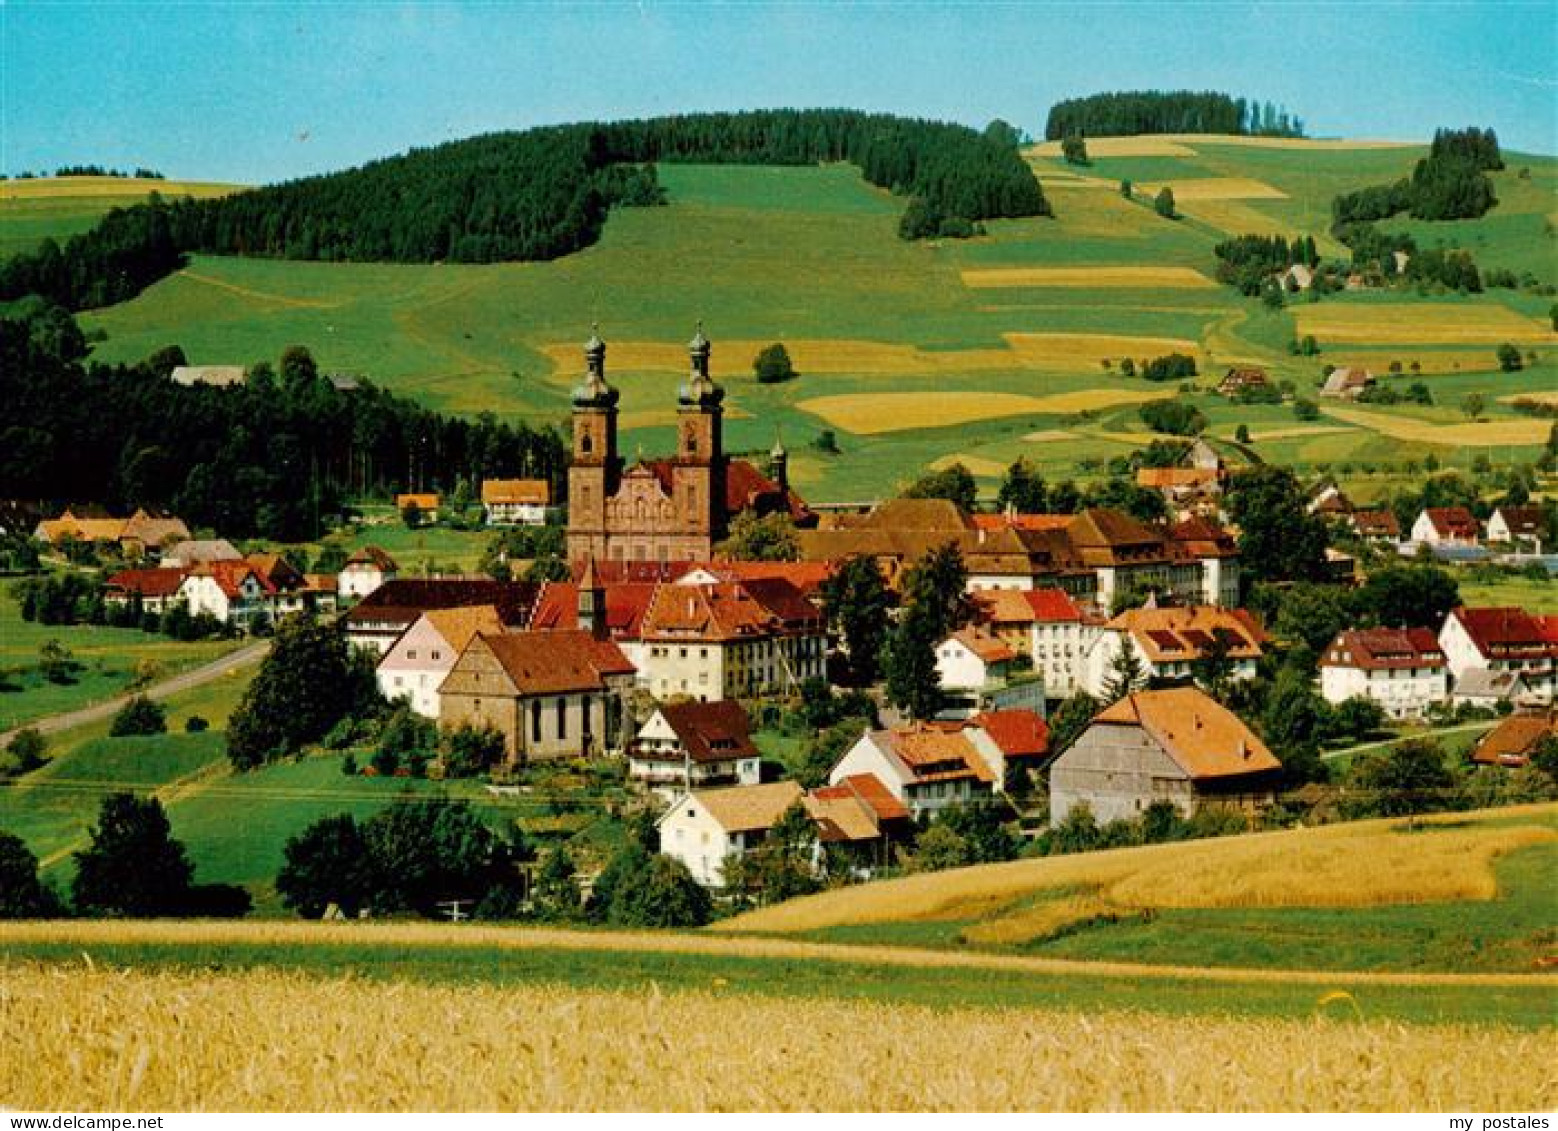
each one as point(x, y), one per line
point(216, 669)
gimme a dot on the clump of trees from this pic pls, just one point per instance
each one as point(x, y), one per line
point(955, 484)
point(1168, 112)
point(140, 716)
point(1451, 183)
point(772, 364)
point(1073, 148)
point(1174, 417)
point(1249, 262)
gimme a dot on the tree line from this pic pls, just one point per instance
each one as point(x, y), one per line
point(1130, 112)
point(272, 458)
point(531, 195)
point(1451, 183)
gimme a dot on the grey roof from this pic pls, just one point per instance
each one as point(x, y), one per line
point(219, 375)
point(193, 551)
point(1484, 683)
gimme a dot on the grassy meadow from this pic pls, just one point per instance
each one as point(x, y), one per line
point(60, 207)
point(1011, 332)
point(113, 660)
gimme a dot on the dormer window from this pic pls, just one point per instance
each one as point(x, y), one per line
point(586, 443)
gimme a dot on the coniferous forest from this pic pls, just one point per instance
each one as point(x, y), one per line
point(270, 458)
point(1126, 113)
point(536, 194)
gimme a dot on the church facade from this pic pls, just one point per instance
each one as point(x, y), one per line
point(672, 509)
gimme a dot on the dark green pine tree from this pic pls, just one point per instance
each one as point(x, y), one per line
point(913, 683)
point(856, 602)
point(132, 865)
point(1126, 673)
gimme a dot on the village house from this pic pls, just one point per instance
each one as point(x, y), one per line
point(926, 766)
point(859, 821)
point(515, 502)
point(1046, 625)
point(1451, 526)
point(1241, 379)
point(415, 666)
point(705, 828)
point(423, 504)
point(1520, 527)
point(1501, 641)
point(234, 593)
point(549, 694)
point(379, 619)
point(583, 604)
point(1379, 526)
point(1297, 277)
point(1491, 690)
point(1347, 383)
point(730, 639)
point(976, 669)
point(135, 536)
point(1403, 670)
point(690, 745)
point(366, 570)
point(1328, 500)
point(1170, 641)
point(157, 590)
point(1515, 740)
point(1177, 745)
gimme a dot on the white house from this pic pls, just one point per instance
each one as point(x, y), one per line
point(971, 659)
point(1517, 526)
point(1403, 670)
point(691, 745)
point(704, 828)
point(925, 766)
point(1501, 640)
point(1452, 526)
point(1169, 642)
point(515, 502)
point(366, 570)
point(232, 592)
point(417, 663)
point(1046, 625)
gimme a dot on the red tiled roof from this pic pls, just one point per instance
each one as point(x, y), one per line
point(746, 489)
point(729, 610)
point(615, 572)
point(230, 576)
point(1522, 520)
point(1512, 741)
point(1384, 649)
point(403, 599)
point(711, 732)
point(535, 492)
point(983, 645)
point(373, 556)
point(1497, 630)
point(869, 788)
point(1205, 738)
point(1052, 605)
point(1453, 521)
point(626, 604)
point(543, 663)
point(149, 582)
point(808, 577)
point(1022, 521)
point(1019, 733)
point(1374, 524)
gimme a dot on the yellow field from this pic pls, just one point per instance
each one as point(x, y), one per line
point(1182, 145)
point(977, 465)
point(1192, 189)
point(871, 414)
point(1147, 145)
point(56, 188)
point(1543, 397)
point(1296, 430)
point(267, 1041)
point(1429, 362)
point(1164, 277)
point(1420, 322)
point(1049, 436)
point(1089, 351)
point(1488, 433)
point(1357, 864)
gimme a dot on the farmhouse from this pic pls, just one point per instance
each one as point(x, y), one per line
point(1454, 526)
point(423, 505)
point(1242, 379)
point(1518, 526)
point(415, 666)
point(1514, 740)
point(672, 509)
point(366, 570)
point(379, 618)
point(1178, 745)
point(1169, 642)
point(859, 820)
point(1376, 526)
point(1501, 641)
point(1403, 670)
point(1346, 383)
point(135, 535)
point(927, 767)
point(193, 551)
point(691, 745)
point(704, 828)
point(1328, 500)
point(616, 611)
point(155, 589)
point(233, 592)
point(515, 502)
point(549, 694)
point(976, 669)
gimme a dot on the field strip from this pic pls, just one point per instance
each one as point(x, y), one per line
point(1122, 276)
point(976, 465)
point(1049, 436)
point(1490, 433)
point(261, 296)
point(391, 936)
point(134, 189)
point(1192, 189)
point(1544, 396)
point(1294, 432)
point(1420, 323)
point(870, 414)
point(734, 359)
point(1144, 145)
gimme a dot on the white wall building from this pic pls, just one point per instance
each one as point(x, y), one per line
point(1403, 670)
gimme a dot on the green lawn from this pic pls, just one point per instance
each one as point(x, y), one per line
point(31, 210)
point(112, 659)
point(1519, 592)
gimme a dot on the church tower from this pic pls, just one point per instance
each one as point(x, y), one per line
point(596, 468)
point(698, 474)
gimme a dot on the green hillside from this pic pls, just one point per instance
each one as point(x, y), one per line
point(810, 256)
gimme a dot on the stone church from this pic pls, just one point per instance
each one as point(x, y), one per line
point(668, 510)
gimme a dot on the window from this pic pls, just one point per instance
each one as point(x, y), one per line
point(535, 720)
point(438, 655)
point(586, 443)
point(562, 718)
point(411, 653)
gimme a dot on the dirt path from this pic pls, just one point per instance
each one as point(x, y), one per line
point(195, 677)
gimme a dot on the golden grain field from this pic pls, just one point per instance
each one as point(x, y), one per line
point(1191, 189)
point(976, 465)
point(1542, 397)
point(1089, 351)
point(1119, 276)
point(1182, 145)
point(1295, 431)
point(1349, 865)
point(1048, 436)
point(57, 188)
point(1146, 145)
point(1407, 323)
point(1488, 433)
point(79, 1039)
point(870, 414)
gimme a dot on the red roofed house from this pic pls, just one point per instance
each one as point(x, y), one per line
point(1514, 740)
point(973, 661)
point(1454, 526)
point(1177, 745)
point(926, 767)
point(1046, 625)
point(1376, 526)
point(155, 589)
point(549, 694)
point(1170, 641)
point(366, 570)
point(1403, 670)
point(380, 618)
point(673, 509)
point(1502, 641)
point(233, 592)
point(1518, 526)
point(694, 745)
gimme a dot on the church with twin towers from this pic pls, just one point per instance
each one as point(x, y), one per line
point(672, 509)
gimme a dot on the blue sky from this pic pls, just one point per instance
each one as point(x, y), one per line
point(259, 91)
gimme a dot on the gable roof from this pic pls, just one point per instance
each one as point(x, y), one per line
point(841, 816)
point(1376, 524)
point(983, 645)
point(935, 753)
point(532, 492)
point(729, 610)
point(626, 603)
point(1513, 740)
point(1521, 520)
point(277, 570)
point(162, 582)
point(1019, 733)
point(1506, 632)
point(1021, 521)
point(875, 795)
point(457, 626)
point(1452, 521)
point(749, 808)
point(1486, 683)
point(546, 663)
point(1203, 737)
point(1176, 634)
point(375, 557)
point(402, 599)
point(423, 501)
point(1384, 649)
point(193, 550)
point(746, 489)
point(230, 576)
point(711, 732)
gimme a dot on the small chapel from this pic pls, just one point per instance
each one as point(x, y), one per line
point(673, 509)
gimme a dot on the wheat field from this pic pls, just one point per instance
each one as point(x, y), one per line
point(1487, 433)
point(1427, 323)
point(57, 188)
point(1191, 189)
point(86, 1039)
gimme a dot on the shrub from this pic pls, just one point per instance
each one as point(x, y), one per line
point(772, 364)
point(195, 724)
point(139, 716)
